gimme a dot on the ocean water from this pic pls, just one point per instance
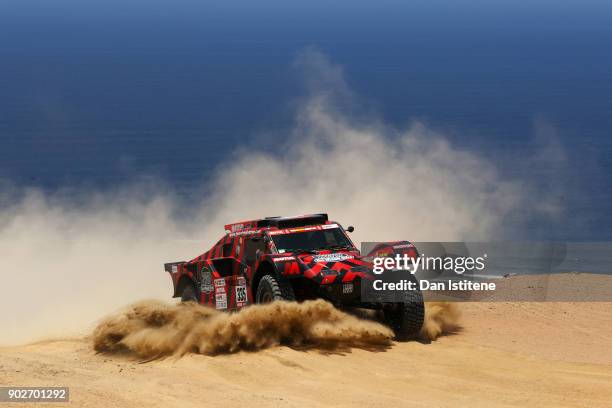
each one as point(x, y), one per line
point(96, 94)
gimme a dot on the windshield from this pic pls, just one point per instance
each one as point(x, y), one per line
point(332, 238)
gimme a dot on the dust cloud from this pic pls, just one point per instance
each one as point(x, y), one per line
point(153, 329)
point(67, 261)
point(440, 318)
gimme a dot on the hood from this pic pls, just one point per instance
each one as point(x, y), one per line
point(335, 261)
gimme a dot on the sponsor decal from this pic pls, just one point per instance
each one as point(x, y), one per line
point(206, 284)
point(284, 259)
point(241, 281)
point(402, 246)
point(239, 226)
point(220, 285)
point(303, 229)
point(294, 230)
point(332, 257)
point(330, 226)
point(174, 268)
point(221, 301)
point(241, 233)
point(347, 288)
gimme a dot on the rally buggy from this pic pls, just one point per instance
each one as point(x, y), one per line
point(293, 259)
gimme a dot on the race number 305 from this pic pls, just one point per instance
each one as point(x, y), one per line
point(34, 394)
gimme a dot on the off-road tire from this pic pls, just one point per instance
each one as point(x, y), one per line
point(189, 294)
point(406, 319)
point(270, 289)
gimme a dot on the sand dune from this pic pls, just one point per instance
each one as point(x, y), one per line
point(505, 355)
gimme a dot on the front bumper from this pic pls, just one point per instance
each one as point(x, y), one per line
point(361, 293)
point(344, 293)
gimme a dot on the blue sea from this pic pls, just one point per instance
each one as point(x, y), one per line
point(94, 94)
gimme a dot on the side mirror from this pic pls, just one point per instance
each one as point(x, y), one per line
point(350, 228)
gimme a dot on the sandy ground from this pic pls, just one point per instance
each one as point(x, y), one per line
point(506, 355)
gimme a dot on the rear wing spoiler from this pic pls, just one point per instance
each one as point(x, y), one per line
point(172, 267)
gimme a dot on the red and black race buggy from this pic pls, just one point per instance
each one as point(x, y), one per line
point(293, 259)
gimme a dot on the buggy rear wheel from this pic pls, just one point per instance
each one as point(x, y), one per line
point(189, 294)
